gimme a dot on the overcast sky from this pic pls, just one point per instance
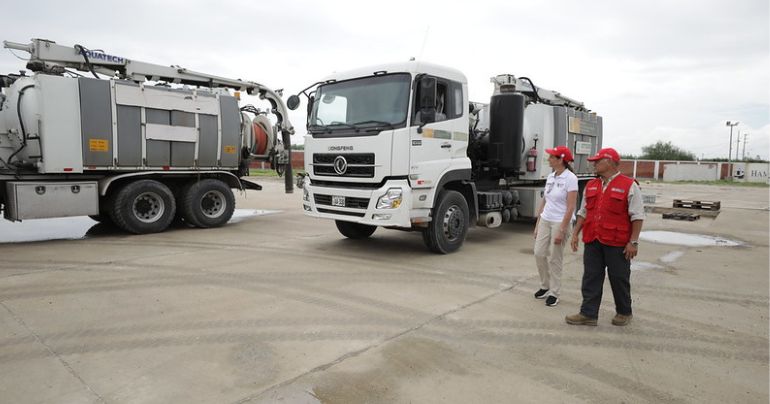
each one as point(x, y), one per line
point(655, 70)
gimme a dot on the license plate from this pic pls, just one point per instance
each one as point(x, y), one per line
point(338, 200)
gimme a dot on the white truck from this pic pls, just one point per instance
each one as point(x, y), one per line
point(121, 149)
point(400, 146)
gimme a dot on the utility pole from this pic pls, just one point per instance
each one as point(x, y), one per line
point(737, 144)
point(745, 135)
point(730, 152)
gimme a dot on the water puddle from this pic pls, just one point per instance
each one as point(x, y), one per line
point(671, 257)
point(688, 240)
point(641, 266)
point(60, 228)
point(71, 228)
point(240, 215)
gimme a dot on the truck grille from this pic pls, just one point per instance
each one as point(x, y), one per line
point(355, 203)
point(360, 165)
point(341, 212)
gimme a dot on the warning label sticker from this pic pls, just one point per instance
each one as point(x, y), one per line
point(98, 145)
point(230, 149)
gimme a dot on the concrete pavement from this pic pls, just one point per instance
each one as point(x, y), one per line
point(281, 308)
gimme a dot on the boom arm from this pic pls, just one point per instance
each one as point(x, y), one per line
point(508, 83)
point(50, 57)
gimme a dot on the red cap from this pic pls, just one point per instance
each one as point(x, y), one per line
point(561, 152)
point(606, 153)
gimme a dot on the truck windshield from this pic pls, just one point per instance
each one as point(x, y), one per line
point(369, 104)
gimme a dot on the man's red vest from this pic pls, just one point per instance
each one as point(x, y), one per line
point(607, 212)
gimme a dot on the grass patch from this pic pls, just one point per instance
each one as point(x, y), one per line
point(266, 172)
point(259, 172)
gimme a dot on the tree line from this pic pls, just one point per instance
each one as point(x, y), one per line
point(661, 150)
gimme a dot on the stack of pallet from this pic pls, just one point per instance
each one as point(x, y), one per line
point(691, 204)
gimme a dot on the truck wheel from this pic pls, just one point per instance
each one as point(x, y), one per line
point(446, 232)
point(207, 203)
point(354, 231)
point(144, 206)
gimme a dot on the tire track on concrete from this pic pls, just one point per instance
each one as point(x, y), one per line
point(359, 352)
point(48, 351)
point(414, 265)
point(532, 337)
point(637, 332)
point(672, 321)
point(199, 326)
point(122, 345)
point(708, 295)
point(705, 295)
point(612, 379)
point(579, 379)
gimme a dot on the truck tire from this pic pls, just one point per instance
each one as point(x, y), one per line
point(355, 231)
point(446, 232)
point(207, 203)
point(144, 206)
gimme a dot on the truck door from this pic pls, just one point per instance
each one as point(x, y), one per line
point(438, 130)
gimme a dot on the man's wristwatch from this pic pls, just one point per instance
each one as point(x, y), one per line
point(634, 243)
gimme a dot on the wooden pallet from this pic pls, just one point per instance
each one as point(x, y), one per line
point(690, 204)
point(690, 217)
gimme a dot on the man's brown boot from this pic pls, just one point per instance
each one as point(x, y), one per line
point(622, 319)
point(580, 319)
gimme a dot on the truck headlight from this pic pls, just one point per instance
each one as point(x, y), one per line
point(391, 199)
point(305, 195)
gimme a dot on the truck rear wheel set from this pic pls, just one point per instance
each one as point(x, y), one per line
point(149, 206)
point(207, 203)
point(144, 206)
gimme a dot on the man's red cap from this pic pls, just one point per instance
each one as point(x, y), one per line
point(606, 153)
point(561, 152)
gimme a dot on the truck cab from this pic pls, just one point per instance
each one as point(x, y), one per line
point(377, 146)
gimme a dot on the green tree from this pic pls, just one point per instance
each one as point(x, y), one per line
point(665, 151)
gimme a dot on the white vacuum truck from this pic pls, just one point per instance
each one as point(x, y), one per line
point(123, 150)
point(400, 146)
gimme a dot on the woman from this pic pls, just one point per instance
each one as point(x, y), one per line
point(554, 222)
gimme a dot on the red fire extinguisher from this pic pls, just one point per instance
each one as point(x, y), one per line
point(532, 159)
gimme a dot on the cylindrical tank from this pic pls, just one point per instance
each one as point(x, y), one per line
point(506, 126)
point(27, 89)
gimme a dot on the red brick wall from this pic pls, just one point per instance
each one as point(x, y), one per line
point(297, 161)
point(646, 168)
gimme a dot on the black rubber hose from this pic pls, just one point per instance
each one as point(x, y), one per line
point(288, 180)
point(534, 89)
point(21, 123)
point(81, 50)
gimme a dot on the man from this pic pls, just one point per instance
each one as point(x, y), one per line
point(610, 215)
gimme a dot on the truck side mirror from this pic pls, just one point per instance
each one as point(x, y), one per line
point(293, 102)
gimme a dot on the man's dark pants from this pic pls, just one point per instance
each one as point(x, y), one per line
point(597, 257)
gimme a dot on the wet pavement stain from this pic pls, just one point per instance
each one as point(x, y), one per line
point(74, 228)
point(641, 266)
point(401, 362)
point(685, 239)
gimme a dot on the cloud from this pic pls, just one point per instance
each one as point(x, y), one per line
point(675, 70)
